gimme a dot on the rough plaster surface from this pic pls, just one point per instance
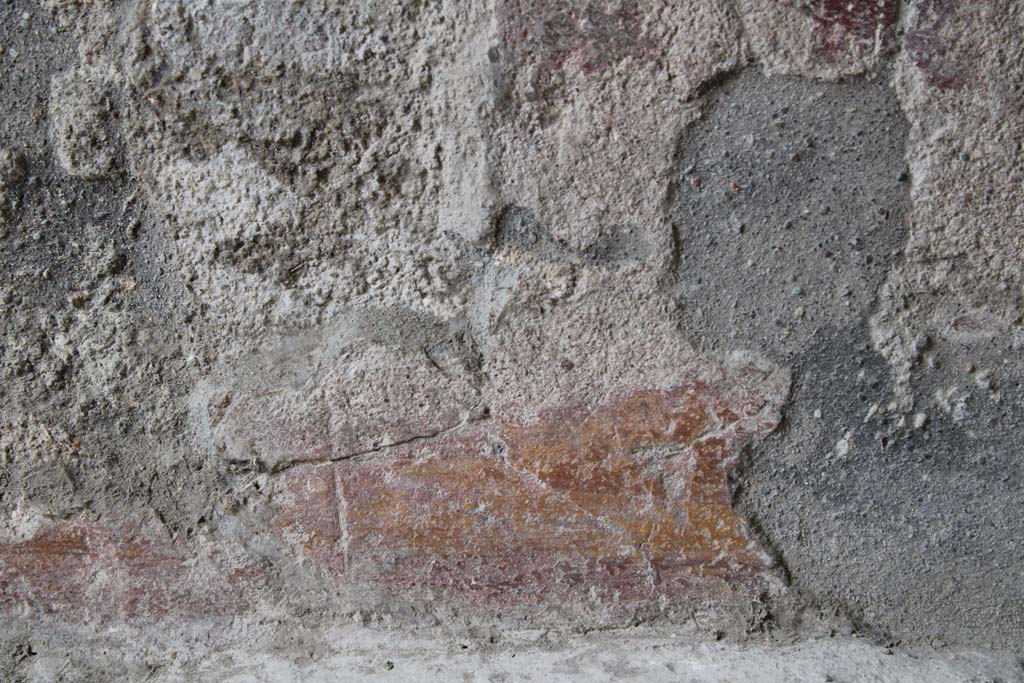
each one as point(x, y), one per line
point(454, 320)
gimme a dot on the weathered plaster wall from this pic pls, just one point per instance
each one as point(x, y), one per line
point(465, 329)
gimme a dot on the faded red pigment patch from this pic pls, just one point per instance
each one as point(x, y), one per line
point(933, 50)
point(86, 572)
point(310, 512)
point(860, 25)
point(625, 504)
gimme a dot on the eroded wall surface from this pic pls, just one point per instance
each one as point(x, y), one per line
point(484, 320)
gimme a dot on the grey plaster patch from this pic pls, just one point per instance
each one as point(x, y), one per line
point(792, 208)
point(909, 522)
point(791, 201)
